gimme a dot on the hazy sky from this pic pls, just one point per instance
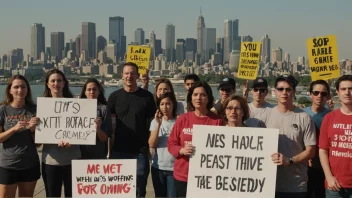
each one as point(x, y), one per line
point(287, 22)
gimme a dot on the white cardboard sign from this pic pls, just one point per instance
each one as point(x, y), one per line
point(104, 178)
point(232, 162)
point(68, 119)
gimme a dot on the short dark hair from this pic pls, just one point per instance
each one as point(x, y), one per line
point(243, 103)
point(191, 77)
point(319, 82)
point(172, 97)
point(342, 78)
point(131, 64)
point(207, 89)
point(287, 78)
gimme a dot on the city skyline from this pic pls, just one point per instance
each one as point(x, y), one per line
point(288, 25)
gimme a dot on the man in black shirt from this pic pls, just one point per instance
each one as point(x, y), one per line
point(134, 108)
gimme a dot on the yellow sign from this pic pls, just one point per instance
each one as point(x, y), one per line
point(139, 55)
point(249, 60)
point(323, 58)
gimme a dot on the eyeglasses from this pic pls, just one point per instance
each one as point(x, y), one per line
point(234, 108)
point(260, 90)
point(322, 93)
point(226, 90)
point(281, 89)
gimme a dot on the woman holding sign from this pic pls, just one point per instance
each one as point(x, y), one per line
point(92, 89)
point(163, 161)
point(235, 113)
point(19, 161)
point(56, 159)
point(199, 101)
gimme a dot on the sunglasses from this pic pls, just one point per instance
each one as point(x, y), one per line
point(226, 90)
point(260, 90)
point(281, 89)
point(322, 93)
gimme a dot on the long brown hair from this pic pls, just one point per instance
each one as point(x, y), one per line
point(9, 97)
point(158, 82)
point(243, 103)
point(66, 92)
point(207, 89)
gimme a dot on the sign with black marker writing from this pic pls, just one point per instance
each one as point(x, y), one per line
point(232, 162)
point(323, 58)
point(139, 55)
point(104, 178)
point(249, 60)
point(67, 119)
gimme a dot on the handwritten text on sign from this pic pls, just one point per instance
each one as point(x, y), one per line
point(249, 60)
point(139, 55)
point(323, 58)
point(68, 119)
point(232, 162)
point(104, 178)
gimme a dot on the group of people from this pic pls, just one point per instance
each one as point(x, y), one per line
point(315, 143)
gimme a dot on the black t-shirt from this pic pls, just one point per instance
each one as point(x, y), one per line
point(134, 112)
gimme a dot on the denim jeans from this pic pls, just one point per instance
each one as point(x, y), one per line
point(343, 193)
point(142, 169)
point(163, 182)
point(290, 195)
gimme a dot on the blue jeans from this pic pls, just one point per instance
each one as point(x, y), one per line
point(163, 182)
point(343, 193)
point(142, 169)
point(290, 195)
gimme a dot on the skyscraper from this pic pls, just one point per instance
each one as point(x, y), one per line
point(200, 37)
point(287, 57)
point(101, 43)
point(139, 36)
point(277, 55)
point(210, 43)
point(78, 46)
point(180, 52)
point(152, 39)
point(88, 39)
point(247, 38)
point(57, 45)
point(265, 51)
point(37, 40)
point(170, 42)
point(220, 47)
point(230, 37)
point(117, 34)
point(301, 60)
point(158, 48)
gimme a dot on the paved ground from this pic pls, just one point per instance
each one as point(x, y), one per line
point(40, 191)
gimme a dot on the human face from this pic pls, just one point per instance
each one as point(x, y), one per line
point(162, 88)
point(284, 92)
point(199, 98)
point(166, 106)
point(130, 76)
point(259, 93)
point(225, 92)
point(345, 92)
point(18, 89)
point(92, 91)
point(234, 112)
point(188, 84)
point(319, 100)
point(56, 84)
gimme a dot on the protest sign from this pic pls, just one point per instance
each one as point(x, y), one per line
point(232, 162)
point(323, 58)
point(67, 119)
point(104, 178)
point(139, 55)
point(249, 60)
